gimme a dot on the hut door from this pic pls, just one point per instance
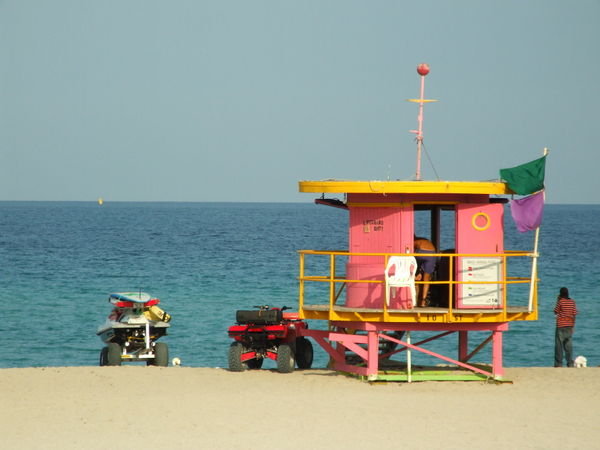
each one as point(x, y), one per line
point(375, 230)
point(479, 231)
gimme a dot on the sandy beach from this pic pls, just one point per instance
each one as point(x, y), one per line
point(193, 408)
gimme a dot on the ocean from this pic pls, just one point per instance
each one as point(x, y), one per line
point(60, 260)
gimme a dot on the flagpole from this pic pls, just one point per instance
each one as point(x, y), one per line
point(535, 256)
point(422, 70)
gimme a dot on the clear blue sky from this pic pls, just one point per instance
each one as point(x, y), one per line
point(239, 100)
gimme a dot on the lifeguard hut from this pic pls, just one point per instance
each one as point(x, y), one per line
point(367, 293)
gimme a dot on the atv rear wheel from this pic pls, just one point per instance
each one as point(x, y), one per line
point(285, 359)
point(236, 350)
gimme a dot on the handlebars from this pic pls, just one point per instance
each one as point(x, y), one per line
point(267, 307)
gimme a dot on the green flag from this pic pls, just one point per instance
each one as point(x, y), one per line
point(526, 178)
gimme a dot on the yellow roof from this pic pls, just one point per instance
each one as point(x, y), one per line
point(405, 187)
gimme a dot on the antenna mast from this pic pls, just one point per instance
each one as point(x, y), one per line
point(423, 70)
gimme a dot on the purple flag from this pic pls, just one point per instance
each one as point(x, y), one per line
point(527, 212)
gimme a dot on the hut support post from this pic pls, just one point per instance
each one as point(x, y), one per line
point(497, 367)
point(463, 345)
point(373, 355)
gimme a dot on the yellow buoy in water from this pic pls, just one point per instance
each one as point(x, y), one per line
point(100, 201)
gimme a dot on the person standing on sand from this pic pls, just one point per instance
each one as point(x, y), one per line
point(565, 311)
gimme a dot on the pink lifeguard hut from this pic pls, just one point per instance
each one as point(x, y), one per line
point(368, 294)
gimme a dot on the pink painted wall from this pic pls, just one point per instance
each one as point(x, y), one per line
point(376, 229)
point(479, 229)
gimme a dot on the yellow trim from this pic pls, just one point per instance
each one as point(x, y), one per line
point(405, 187)
point(434, 202)
point(487, 223)
point(418, 100)
point(379, 205)
point(398, 204)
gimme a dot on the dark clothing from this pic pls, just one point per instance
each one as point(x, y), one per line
point(563, 341)
point(426, 263)
point(565, 311)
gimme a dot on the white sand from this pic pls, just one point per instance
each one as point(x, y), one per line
point(199, 408)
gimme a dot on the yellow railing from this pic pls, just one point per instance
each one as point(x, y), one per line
point(337, 283)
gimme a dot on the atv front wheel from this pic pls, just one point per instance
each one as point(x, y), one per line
point(304, 353)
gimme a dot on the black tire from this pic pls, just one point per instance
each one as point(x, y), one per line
point(285, 359)
point(304, 353)
point(255, 363)
point(104, 357)
point(161, 354)
point(235, 357)
point(113, 354)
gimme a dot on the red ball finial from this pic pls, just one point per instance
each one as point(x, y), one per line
point(423, 69)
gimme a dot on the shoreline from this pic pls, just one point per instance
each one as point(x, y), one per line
point(181, 407)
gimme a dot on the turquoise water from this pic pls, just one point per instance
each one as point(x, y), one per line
point(205, 260)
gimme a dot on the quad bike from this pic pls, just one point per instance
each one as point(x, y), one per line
point(269, 333)
point(132, 329)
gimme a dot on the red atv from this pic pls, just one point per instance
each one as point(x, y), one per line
point(269, 333)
